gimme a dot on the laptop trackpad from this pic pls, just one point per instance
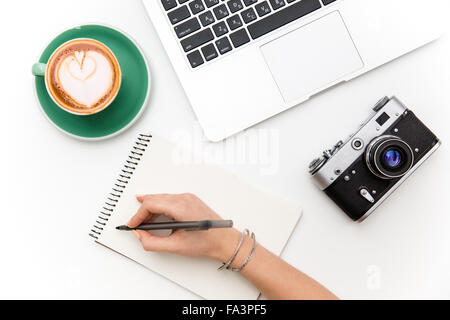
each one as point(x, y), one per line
point(312, 57)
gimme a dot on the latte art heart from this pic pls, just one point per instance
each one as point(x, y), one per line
point(83, 76)
point(88, 80)
point(80, 55)
point(81, 67)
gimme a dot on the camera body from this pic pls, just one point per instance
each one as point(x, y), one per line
point(360, 173)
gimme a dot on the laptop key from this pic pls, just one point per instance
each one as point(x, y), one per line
point(248, 15)
point(220, 29)
point(277, 4)
point(169, 4)
point(209, 52)
point(196, 6)
point(249, 2)
point(195, 59)
point(210, 3)
point(224, 45)
point(235, 5)
point(327, 2)
point(185, 28)
point(197, 39)
point(182, 1)
point(206, 18)
point(234, 22)
point(179, 14)
point(262, 8)
point(282, 17)
point(221, 12)
point(239, 38)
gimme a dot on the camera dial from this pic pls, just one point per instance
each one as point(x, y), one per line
point(318, 163)
point(389, 157)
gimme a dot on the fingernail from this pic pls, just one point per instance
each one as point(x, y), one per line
point(137, 234)
point(139, 196)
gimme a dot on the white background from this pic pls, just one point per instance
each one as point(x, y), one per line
point(52, 185)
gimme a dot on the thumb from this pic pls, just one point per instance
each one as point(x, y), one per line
point(154, 243)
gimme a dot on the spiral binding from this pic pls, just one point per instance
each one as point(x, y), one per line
point(136, 153)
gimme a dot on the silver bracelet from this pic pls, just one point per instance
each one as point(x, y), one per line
point(249, 256)
point(227, 264)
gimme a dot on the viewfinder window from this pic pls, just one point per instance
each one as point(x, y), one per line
point(382, 119)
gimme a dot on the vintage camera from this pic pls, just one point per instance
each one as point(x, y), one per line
point(359, 174)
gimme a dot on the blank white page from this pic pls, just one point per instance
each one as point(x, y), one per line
point(271, 218)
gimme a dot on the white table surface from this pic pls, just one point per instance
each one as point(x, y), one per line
point(53, 185)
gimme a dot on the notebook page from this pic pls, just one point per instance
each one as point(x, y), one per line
point(271, 218)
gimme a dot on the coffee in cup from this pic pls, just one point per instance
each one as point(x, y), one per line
point(82, 76)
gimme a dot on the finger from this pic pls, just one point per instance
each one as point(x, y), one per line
point(152, 203)
point(153, 243)
point(166, 204)
point(140, 216)
point(142, 197)
point(150, 218)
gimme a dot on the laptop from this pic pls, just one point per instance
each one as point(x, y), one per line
point(243, 61)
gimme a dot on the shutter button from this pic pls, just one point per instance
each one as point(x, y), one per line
point(366, 195)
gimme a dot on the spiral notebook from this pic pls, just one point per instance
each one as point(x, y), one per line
point(151, 167)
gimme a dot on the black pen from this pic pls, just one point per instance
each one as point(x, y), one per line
point(186, 225)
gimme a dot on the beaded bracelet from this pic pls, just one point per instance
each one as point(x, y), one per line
point(227, 264)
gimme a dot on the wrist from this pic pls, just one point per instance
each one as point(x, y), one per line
point(226, 244)
point(243, 252)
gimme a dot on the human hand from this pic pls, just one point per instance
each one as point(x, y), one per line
point(213, 243)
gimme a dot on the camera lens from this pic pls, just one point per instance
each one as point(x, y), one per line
point(392, 159)
point(389, 157)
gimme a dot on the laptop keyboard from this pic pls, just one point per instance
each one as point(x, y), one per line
point(207, 29)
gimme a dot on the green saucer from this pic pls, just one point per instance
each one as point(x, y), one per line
point(130, 101)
